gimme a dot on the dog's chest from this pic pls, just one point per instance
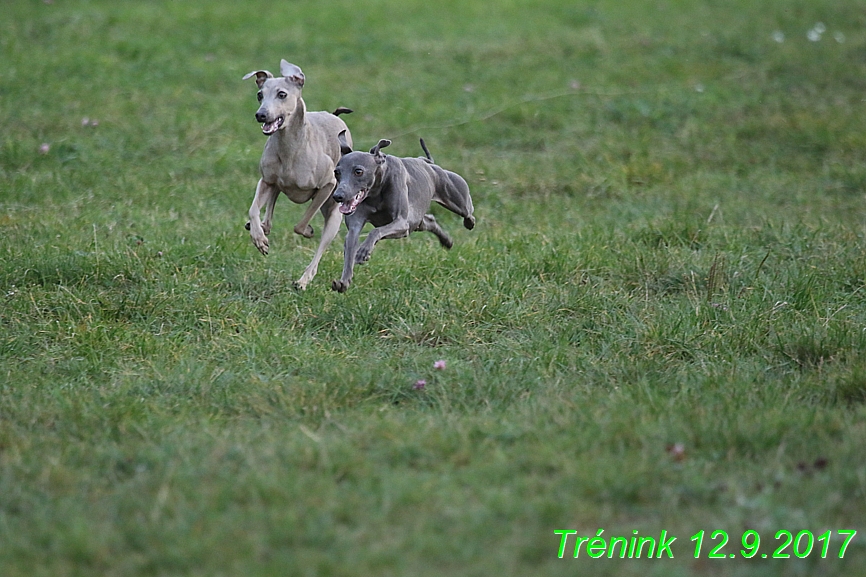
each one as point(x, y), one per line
point(380, 218)
point(296, 189)
point(290, 178)
point(379, 213)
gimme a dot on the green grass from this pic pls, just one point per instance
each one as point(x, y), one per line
point(670, 252)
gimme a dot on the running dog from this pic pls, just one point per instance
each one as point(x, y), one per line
point(393, 194)
point(299, 159)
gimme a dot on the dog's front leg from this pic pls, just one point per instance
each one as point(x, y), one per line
point(349, 250)
point(265, 194)
point(398, 228)
point(322, 194)
point(333, 218)
point(269, 212)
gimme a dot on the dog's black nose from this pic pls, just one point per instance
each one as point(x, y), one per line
point(338, 196)
point(261, 116)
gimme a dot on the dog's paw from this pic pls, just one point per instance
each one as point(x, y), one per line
point(363, 254)
point(339, 286)
point(299, 285)
point(262, 244)
point(304, 232)
point(469, 222)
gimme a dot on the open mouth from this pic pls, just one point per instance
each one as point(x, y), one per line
point(351, 205)
point(269, 128)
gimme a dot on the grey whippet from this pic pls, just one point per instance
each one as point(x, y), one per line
point(393, 194)
point(299, 159)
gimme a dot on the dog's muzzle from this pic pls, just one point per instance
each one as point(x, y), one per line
point(348, 206)
point(271, 127)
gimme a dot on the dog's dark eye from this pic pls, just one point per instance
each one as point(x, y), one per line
point(259, 96)
point(282, 95)
point(359, 172)
point(337, 175)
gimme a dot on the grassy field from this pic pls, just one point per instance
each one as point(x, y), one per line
point(658, 324)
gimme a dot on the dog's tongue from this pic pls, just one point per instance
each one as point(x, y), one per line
point(271, 127)
point(349, 206)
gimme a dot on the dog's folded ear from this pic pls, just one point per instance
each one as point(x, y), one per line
point(261, 76)
point(376, 150)
point(292, 72)
point(344, 145)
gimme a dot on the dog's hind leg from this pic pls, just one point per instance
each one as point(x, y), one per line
point(429, 224)
point(452, 192)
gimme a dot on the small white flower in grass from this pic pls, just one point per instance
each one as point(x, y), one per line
point(439, 365)
point(699, 87)
point(779, 36)
point(814, 34)
point(677, 451)
point(419, 384)
point(44, 148)
point(839, 37)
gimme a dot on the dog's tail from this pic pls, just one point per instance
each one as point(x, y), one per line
point(342, 110)
point(427, 152)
